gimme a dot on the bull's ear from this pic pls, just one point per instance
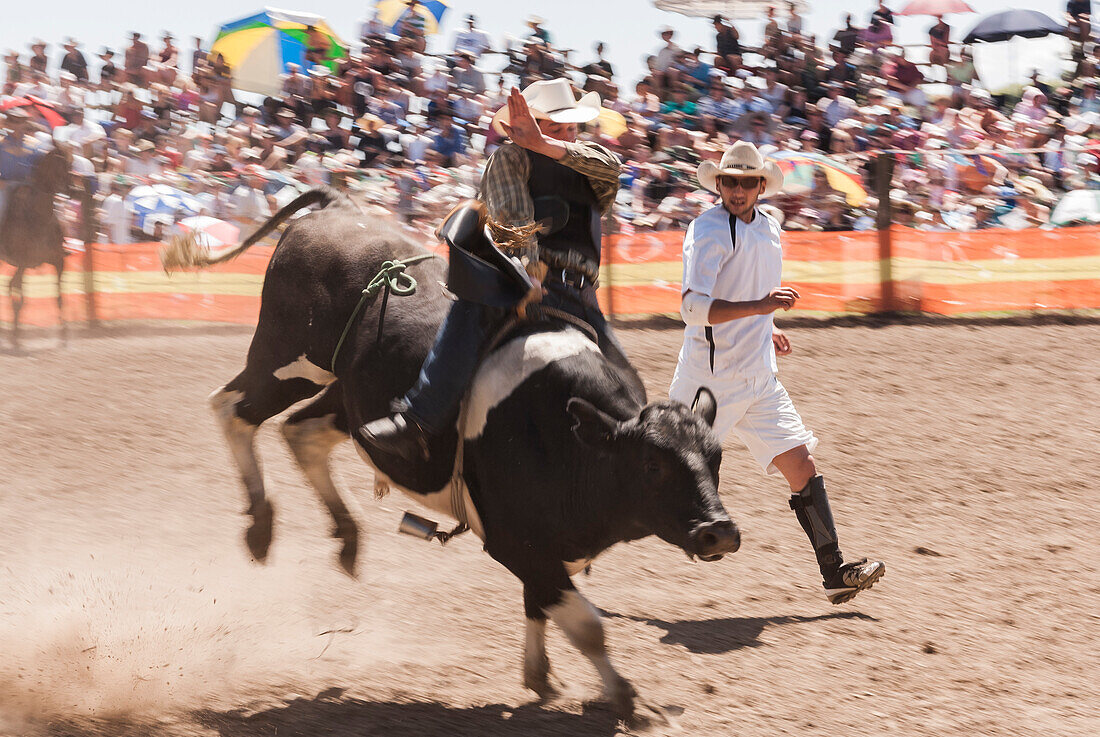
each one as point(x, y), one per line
point(705, 405)
point(592, 427)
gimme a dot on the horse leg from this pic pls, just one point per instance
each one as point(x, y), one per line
point(312, 432)
point(15, 292)
point(241, 406)
point(61, 306)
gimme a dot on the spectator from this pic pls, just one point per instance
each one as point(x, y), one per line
point(108, 72)
point(1088, 101)
point(601, 67)
point(449, 140)
point(137, 56)
point(903, 77)
point(794, 20)
point(1079, 20)
point(836, 107)
point(882, 13)
point(73, 61)
point(465, 74)
point(117, 213)
point(716, 104)
point(472, 39)
point(14, 72)
point(680, 102)
point(939, 37)
point(143, 162)
point(666, 56)
point(727, 43)
point(38, 60)
point(535, 23)
point(848, 36)
point(248, 203)
point(317, 46)
point(169, 58)
point(198, 55)
point(877, 34)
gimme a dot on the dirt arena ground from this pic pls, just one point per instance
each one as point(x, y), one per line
point(962, 455)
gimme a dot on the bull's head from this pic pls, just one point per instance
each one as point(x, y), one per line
point(665, 465)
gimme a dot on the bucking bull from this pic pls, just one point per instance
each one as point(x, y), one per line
point(559, 460)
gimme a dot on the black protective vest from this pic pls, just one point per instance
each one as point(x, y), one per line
point(581, 233)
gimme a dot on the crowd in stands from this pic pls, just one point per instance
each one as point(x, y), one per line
point(404, 125)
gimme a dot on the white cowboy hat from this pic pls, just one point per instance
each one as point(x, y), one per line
point(554, 100)
point(742, 159)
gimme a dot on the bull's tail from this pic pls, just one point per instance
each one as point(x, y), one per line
point(185, 252)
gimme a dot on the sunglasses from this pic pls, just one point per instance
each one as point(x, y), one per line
point(748, 183)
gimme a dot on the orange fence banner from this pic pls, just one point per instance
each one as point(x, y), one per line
point(939, 272)
point(946, 273)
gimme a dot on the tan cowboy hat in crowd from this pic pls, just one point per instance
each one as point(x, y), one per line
point(370, 122)
point(554, 100)
point(742, 159)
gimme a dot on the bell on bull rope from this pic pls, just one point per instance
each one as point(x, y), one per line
point(417, 526)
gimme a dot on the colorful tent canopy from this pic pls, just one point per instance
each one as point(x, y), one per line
point(258, 47)
point(798, 168)
point(391, 12)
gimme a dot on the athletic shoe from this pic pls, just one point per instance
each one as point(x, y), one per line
point(852, 578)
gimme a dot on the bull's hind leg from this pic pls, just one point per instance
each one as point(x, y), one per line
point(312, 432)
point(241, 406)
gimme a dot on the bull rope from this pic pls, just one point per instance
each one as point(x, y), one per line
point(391, 277)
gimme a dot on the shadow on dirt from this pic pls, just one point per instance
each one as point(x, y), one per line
point(330, 715)
point(715, 636)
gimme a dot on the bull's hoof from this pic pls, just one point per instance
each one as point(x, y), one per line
point(537, 678)
point(648, 717)
point(258, 536)
point(621, 699)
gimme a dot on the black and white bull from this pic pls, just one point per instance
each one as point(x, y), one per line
point(561, 457)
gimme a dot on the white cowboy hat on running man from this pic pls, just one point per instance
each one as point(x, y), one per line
point(742, 159)
point(554, 100)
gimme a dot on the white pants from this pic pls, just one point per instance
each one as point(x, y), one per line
point(757, 409)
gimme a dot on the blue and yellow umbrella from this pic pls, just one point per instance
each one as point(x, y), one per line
point(258, 47)
point(392, 12)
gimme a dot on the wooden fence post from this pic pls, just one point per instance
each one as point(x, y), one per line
point(609, 229)
point(89, 231)
point(884, 173)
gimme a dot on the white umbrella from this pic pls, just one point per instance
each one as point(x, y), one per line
point(739, 9)
point(160, 199)
point(211, 232)
point(1078, 206)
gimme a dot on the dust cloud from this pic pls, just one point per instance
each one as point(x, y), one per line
point(108, 639)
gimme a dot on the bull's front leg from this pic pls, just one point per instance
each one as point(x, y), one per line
point(581, 623)
point(555, 597)
point(536, 665)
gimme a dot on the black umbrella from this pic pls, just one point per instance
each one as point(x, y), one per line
point(1004, 25)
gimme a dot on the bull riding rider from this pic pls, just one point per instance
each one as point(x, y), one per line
point(543, 169)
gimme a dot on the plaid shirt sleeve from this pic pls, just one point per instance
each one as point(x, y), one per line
point(504, 186)
point(599, 165)
point(505, 194)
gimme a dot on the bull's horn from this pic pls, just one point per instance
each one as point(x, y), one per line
point(705, 405)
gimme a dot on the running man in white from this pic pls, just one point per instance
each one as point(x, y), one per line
point(733, 262)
